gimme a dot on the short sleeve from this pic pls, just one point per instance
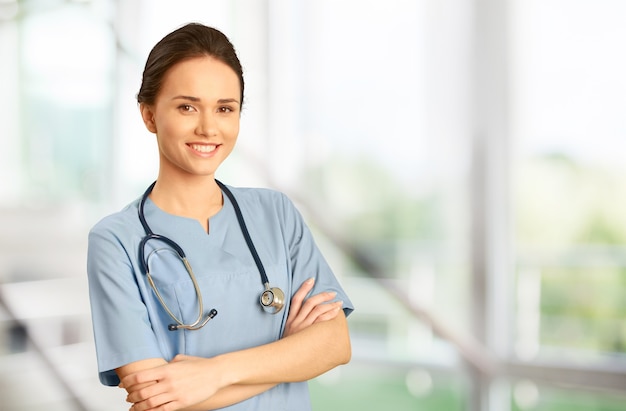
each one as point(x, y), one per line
point(306, 258)
point(122, 329)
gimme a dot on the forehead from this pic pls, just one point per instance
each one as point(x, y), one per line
point(203, 77)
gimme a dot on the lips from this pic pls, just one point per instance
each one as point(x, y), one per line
point(203, 148)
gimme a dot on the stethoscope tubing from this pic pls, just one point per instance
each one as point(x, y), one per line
point(246, 234)
point(242, 223)
point(200, 322)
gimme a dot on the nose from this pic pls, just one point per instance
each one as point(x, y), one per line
point(207, 124)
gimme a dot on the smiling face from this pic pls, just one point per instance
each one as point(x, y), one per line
point(195, 117)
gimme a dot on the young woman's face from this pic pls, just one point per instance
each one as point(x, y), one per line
point(195, 116)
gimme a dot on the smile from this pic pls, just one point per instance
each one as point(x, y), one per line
point(203, 148)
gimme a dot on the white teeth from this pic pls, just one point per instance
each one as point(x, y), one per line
point(203, 148)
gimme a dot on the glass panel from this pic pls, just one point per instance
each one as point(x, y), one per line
point(67, 56)
point(363, 135)
point(358, 128)
point(570, 133)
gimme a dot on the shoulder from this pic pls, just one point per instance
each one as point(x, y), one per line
point(124, 221)
point(266, 203)
point(265, 197)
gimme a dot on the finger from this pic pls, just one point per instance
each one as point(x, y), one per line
point(145, 392)
point(331, 313)
point(318, 299)
point(321, 310)
point(314, 314)
point(296, 300)
point(303, 316)
point(131, 387)
point(137, 387)
point(156, 402)
point(300, 295)
point(137, 378)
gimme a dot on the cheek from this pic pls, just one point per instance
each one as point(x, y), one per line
point(172, 129)
point(236, 130)
point(231, 128)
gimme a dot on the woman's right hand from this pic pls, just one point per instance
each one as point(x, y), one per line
point(303, 313)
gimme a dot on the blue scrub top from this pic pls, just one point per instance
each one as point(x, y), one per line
point(129, 322)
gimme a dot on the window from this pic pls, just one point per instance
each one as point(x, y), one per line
point(569, 128)
point(460, 163)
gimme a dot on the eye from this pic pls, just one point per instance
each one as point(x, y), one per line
point(225, 109)
point(186, 108)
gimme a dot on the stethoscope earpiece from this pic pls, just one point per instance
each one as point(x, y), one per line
point(272, 298)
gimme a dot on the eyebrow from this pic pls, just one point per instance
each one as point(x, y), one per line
point(190, 98)
point(228, 100)
point(197, 99)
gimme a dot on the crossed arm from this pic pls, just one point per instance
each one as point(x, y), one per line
point(315, 340)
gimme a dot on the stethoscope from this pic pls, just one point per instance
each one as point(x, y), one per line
point(272, 298)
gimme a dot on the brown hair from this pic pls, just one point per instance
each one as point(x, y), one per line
point(191, 40)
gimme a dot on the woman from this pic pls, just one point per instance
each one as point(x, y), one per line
point(190, 241)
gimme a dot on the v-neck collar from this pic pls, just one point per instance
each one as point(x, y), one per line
point(217, 223)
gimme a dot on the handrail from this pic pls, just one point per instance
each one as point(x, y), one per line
point(75, 399)
point(472, 351)
point(589, 376)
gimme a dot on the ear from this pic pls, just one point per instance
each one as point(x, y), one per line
point(147, 114)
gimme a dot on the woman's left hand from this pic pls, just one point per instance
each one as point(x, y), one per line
point(303, 313)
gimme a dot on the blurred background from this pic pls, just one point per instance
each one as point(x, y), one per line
point(460, 162)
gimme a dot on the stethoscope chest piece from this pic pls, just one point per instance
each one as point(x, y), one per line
point(272, 299)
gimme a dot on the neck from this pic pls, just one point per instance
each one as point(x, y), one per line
point(197, 197)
